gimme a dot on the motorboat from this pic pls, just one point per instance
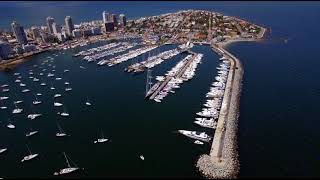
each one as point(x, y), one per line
point(11, 126)
point(22, 84)
point(196, 135)
point(198, 142)
point(17, 111)
point(33, 116)
point(142, 157)
point(3, 150)
point(57, 95)
point(4, 97)
point(57, 104)
point(25, 90)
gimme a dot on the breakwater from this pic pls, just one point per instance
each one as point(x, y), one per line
point(222, 162)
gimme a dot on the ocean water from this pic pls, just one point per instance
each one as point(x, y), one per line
point(278, 134)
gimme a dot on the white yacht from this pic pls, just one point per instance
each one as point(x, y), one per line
point(66, 83)
point(22, 85)
point(196, 135)
point(66, 70)
point(5, 90)
point(68, 89)
point(65, 114)
point(4, 85)
point(58, 78)
point(33, 116)
point(11, 126)
point(36, 102)
point(30, 156)
point(198, 142)
point(142, 157)
point(35, 80)
point(3, 150)
point(3, 107)
point(17, 111)
point(39, 94)
point(25, 90)
point(57, 95)
point(17, 102)
point(43, 84)
point(4, 97)
point(57, 104)
point(17, 81)
point(69, 169)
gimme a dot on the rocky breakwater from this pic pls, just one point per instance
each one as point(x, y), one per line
point(223, 162)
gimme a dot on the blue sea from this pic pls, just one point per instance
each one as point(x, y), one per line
point(278, 133)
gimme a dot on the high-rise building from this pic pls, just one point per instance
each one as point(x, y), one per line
point(114, 19)
point(5, 50)
point(123, 20)
point(35, 31)
point(50, 21)
point(109, 26)
point(105, 16)
point(76, 33)
point(56, 28)
point(19, 33)
point(69, 25)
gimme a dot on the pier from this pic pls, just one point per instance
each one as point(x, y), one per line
point(222, 162)
point(155, 91)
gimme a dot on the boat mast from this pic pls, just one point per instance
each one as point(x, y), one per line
point(28, 149)
point(65, 156)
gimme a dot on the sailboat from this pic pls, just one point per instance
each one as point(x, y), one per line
point(52, 88)
point(30, 156)
point(68, 88)
point(61, 133)
point(31, 133)
point(10, 125)
point(64, 113)
point(39, 94)
point(17, 110)
point(36, 101)
point(102, 139)
point(69, 169)
point(25, 90)
point(87, 102)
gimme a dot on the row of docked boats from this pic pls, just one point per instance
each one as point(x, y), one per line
point(182, 71)
point(91, 51)
point(153, 61)
point(210, 113)
point(125, 57)
point(123, 47)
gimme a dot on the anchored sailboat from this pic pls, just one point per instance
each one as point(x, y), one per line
point(61, 133)
point(30, 156)
point(102, 139)
point(87, 102)
point(69, 169)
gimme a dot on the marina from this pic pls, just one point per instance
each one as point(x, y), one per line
point(153, 61)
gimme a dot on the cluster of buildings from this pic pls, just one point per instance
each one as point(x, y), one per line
point(19, 41)
point(189, 25)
